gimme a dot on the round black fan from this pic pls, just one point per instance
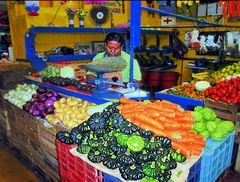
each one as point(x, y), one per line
point(99, 15)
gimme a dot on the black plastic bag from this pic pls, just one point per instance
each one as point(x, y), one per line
point(179, 48)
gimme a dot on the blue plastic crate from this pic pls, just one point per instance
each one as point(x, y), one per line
point(110, 178)
point(194, 172)
point(184, 102)
point(216, 158)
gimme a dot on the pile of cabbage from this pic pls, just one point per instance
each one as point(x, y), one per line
point(21, 94)
point(207, 124)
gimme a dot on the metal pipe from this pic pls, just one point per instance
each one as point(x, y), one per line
point(192, 26)
point(135, 33)
point(165, 13)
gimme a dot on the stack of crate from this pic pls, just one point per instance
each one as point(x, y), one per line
point(227, 111)
point(12, 74)
point(35, 140)
point(4, 124)
point(237, 129)
point(48, 161)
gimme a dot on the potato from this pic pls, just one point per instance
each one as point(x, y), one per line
point(68, 112)
point(73, 115)
point(62, 100)
point(60, 110)
point(72, 103)
point(60, 116)
point(66, 116)
point(56, 104)
point(75, 108)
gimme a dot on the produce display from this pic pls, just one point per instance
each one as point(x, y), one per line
point(225, 91)
point(165, 119)
point(50, 71)
point(187, 90)
point(41, 103)
point(21, 94)
point(207, 124)
point(115, 142)
point(227, 71)
point(67, 81)
point(69, 111)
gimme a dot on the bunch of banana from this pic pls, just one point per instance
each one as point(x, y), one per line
point(200, 76)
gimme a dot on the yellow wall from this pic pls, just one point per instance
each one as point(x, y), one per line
point(20, 22)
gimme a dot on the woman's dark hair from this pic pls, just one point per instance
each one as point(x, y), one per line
point(115, 37)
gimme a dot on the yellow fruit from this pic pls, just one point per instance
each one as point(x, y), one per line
point(62, 100)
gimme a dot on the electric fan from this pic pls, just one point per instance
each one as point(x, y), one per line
point(99, 15)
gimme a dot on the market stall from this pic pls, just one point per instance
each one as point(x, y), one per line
point(174, 127)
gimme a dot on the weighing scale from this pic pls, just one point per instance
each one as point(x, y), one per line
point(104, 89)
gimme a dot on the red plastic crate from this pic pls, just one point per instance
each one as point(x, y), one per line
point(74, 169)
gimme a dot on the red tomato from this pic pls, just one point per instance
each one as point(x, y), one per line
point(217, 98)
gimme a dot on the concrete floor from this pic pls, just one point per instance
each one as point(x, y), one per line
point(12, 168)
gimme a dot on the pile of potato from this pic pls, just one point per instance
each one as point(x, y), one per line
point(70, 112)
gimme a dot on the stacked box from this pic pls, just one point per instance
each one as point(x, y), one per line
point(47, 137)
point(216, 158)
point(73, 168)
point(223, 110)
point(13, 74)
point(4, 124)
point(2, 93)
point(237, 129)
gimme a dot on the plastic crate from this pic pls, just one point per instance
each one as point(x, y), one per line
point(216, 158)
point(74, 169)
point(110, 178)
point(193, 176)
point(194, 172)
point(184, 102)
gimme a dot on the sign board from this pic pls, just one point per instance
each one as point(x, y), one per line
point(168, 20)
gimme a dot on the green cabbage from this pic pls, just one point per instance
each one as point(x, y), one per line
point(199, 126)
point(202, 85)
point(198, 108)
point(211, 126)
point(205, 133)
point(227, 125)
point(208, 114)
point(197, 116)
point(67, 72)
point(217, 121)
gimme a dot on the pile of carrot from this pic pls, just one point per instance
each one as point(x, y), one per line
point(165, 119)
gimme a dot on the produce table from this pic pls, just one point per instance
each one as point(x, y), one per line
point(178, 174)
point(71, 91)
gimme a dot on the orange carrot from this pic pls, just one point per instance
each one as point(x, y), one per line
point(129, 106)
point(147, 127)
point(183, 149)
point(171, 105)
point(199, 142)
point(143, 118)
point(132, 111)
point(124, 100)
point(159, 107)
point(196, 150)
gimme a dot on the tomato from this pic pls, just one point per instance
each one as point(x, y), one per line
point(212, 97)
point(214, 91)
point(206, 93)
point(224, 99)
point(217, 98)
